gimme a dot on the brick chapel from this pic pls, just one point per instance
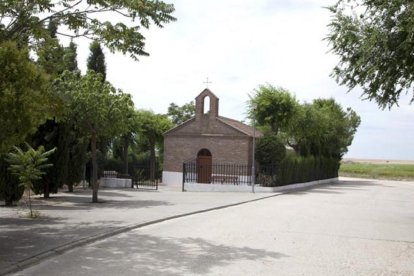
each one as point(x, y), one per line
point(208, 138)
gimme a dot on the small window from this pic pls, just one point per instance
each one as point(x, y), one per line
point(206, 105)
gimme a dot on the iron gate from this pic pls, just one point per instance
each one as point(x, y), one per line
point(146, 177)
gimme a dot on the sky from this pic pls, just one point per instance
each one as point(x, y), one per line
point(241, 44)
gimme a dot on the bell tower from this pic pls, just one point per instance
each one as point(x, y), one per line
point(201, 111)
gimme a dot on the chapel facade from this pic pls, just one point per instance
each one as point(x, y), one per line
point(207, 138)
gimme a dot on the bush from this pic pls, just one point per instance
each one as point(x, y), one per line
point(298, 169)
point(10, 190)
point(270, 150)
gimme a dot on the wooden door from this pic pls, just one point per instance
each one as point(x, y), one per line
point(204, 169)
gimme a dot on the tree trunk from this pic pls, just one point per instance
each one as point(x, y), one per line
point(152, 161)
point(94, 169)
point(70, 188)
point(46, 189)
point(125, 153)
point(84, 175)
point(30, 203)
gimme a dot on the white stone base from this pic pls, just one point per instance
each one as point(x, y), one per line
point(197, 187)
point(108, 182)
point(172, 178)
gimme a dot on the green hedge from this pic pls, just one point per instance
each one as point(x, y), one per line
point(297, 169)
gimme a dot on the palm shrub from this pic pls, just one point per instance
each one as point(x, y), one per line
point(28, 166)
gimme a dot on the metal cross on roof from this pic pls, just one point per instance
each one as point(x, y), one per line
point(207, 82)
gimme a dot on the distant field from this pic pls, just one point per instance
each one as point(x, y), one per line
point(382, 169)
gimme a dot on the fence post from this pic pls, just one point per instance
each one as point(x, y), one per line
point(183, 190)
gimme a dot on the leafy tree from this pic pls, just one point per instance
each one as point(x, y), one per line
point(307, 126)
point(96, 63)
point(98, 109)
point(52, 135)
point(122, 144)
point(28, 166)
point(55, 58)
point(180, 114)
point(77, 146)
point(322, 128)
point(338, 128)
point(70, 57)
point(50, 58)
point(152, 126)
point(78, 155)
point(270, 150)
point(57, 131)
point(70, 136)
point(374, 41)
point(128, 138)
point(273, 107)
point(27, 21)
point(25, 101)
point(96, 59)
point(50, 53)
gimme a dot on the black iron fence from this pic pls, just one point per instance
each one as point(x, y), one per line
point(289, 171)
point(233, 174)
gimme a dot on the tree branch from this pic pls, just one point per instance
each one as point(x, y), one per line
point(85, 34)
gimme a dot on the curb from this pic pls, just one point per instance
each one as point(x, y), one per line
point(91, 239)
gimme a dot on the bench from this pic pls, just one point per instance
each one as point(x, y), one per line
point(225, 179)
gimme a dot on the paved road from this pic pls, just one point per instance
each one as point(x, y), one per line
point(354, 228)
point(68, 219)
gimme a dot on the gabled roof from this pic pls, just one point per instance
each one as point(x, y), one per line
point(237, 125)
point(205, 92)
point(180, 126)
point(246, 129)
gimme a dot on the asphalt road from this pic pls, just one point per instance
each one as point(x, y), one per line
point(350, 228)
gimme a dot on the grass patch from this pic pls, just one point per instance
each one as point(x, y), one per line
point(378, 171)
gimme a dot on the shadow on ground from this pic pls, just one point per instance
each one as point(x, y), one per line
point(339, 187)
point(77, 203)
point(82, 200)
point(139, 254)
point(22, 238)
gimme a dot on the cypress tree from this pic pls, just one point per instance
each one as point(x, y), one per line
point(69, 58)
point(96, 59)
point(96, 62)
point(55, 59)
point(51, 53)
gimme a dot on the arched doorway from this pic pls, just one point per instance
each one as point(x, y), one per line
point(204, 162)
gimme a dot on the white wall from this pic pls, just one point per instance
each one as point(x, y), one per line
point(115, 182)
point(196, 187)
point(172, 178)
